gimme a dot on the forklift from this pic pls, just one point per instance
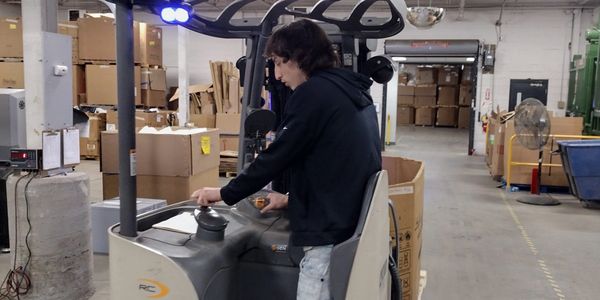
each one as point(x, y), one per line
point(184, 251)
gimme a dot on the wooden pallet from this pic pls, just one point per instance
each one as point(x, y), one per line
point(90, 157)
point(96, 62)
point(11, 59)
point(227, 174)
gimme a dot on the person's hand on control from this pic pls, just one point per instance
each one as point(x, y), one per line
point(276, 201)
point(207, 196)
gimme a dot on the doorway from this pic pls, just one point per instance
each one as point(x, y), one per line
point(521, 89)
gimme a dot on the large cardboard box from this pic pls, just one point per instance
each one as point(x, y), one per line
point(426, 76)
point(465, 95)
point(466, 77)
point(228, 123)
point(154, 87)
point(426, 90)
point(447, 116)
point(448, 76)
point(464, 117)
point(203, 121)
point(173, 189)
point(406, 90)
point(71, 29)
point(150, 45)
point(11, 37)
point(78, 83)
point(425, 101)
point(553, 176)
point(89, 148)
point(406, 100)
point(497, 159)
point(173, 152)
point(406, 189)
point(447, 95)
point(95, 125)
point(424, 116)
point(97, 38)
point(101, 84)
point(229, 142)
point(12, 75)
point(405, 115)
point(142, 118)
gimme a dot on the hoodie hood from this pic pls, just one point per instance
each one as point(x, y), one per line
point(354, 85)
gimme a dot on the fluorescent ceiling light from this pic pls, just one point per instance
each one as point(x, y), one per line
point(399, 58)
point(470, 59)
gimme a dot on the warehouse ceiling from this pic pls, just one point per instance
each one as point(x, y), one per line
point(345, 5)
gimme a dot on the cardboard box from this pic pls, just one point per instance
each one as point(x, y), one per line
point(97, 38)
point(166, 154)
point(405, 115)
point(151, 45)
point(497, 159)
point(424, 116)
point(202, 99)
point(229, 142)
point(425, 101)
point(552, 176)
point(447, 95)
point(426, 76)
point(12, 75)
point(95, 125)
point(101, 84)
point(78, 83)
point(448, 76)
point(89, 148)
point(228, 123)
point(447, 116)
point(173, 189)
point(154, 87)
point(403, 78)
point(406, 100)
point(406, 190)
point(465, 95)
point(203, 121)
point(426, 90)
point(142, 118)
point(466, 77)
point(464, 117)
point(11, 43)
point(71, 29)
point(404, 90)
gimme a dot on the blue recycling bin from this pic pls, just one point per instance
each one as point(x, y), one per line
point(581, 161)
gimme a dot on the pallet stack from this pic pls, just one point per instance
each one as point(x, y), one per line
point(11, 54)
point(447, 99)
point(425, 96)
point(465, 96)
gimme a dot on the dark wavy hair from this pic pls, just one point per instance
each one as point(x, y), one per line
point(304, 42)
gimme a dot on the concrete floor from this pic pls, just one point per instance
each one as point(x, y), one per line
point(479, 243)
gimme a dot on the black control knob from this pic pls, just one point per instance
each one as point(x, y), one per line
point(211, 225)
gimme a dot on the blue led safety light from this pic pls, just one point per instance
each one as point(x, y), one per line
point(177, 13)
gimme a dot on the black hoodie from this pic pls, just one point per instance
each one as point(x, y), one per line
point(329, 141)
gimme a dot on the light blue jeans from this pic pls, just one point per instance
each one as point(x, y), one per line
point(313, 283)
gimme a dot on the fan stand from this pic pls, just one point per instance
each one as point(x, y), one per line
point(537, 198)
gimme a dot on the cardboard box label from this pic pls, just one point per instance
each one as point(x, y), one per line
point(404, 259)
point(401, 190)
point(12, 26)
point(132, 162)
point(205, 145)
point(91, 147)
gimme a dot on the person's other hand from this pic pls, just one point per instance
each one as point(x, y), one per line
point(206, 196)
point(276, 201)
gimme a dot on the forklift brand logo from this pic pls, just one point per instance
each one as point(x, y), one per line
point(154, 289)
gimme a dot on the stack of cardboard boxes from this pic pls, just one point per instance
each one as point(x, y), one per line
point(498, 140)
point(170, 163)
point(425, 96)
point(447, 101)
point(11, 53)
point(465, 96)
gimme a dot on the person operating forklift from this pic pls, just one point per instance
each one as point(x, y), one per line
point(329, 142)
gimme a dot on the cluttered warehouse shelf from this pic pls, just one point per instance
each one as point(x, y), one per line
point(434, 95)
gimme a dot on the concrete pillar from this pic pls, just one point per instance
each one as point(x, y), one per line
point(60, 265)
